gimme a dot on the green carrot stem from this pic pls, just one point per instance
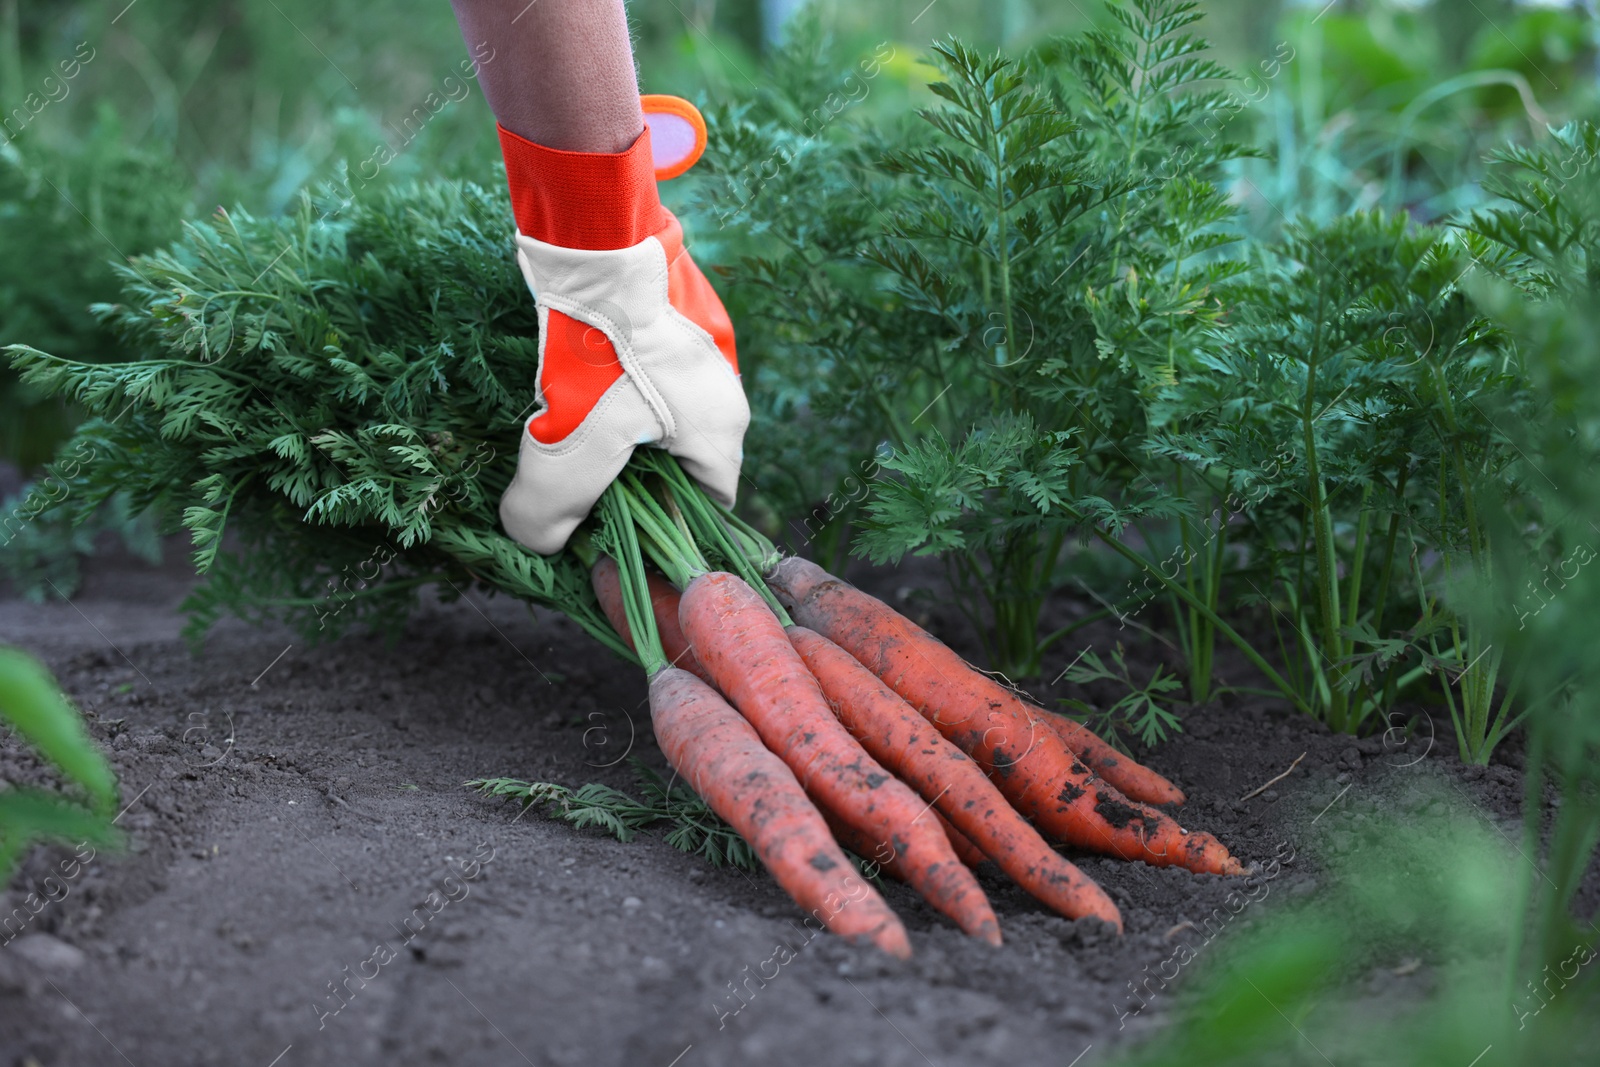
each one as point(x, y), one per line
point(618, 519)
point(1222, 627)
point(677, 556)
point(702, 520)
point(1388, 556)
point(1357, 565)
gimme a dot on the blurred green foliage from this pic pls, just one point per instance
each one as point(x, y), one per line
point(32, 706)
point(1428, 899)
point(1395, 106)
point(62, 209)
point(40, 553)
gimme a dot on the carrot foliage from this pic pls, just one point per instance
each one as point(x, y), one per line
point(1026, 328)
point(691, 825)
point(1045, 348)
point(328, 403)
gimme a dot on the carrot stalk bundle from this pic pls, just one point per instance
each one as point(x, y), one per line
point(664, 605)
point(892, 731)
point(743, 645)
point(1027, 760)
point(724, 761)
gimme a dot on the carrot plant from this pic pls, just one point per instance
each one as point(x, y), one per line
point(1038, 306)
point(1139, 710)
point(986, 304)
point(1345, 424)
point(1536, 255)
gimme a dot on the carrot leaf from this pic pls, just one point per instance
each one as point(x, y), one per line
point(690, 824)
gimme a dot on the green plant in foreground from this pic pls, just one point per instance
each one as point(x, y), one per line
point(1296, 988)
point(1538, 254)
point(33, 706)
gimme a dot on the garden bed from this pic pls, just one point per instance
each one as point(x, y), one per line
point(263, 870)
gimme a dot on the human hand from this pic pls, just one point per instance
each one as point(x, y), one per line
point(635, 348)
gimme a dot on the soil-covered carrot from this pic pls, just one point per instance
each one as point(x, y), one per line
point(1029, 763)
point(663, 601)
point(742, 643)
point(723, 760)
point(896, 734)
point(883, 853)
point(962, 845)
point(1131, 778)
point(879, 854)
point(796, 578)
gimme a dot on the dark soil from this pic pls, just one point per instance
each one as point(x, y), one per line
point(297, 825)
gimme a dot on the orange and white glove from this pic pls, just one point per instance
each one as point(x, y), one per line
point(634, 346)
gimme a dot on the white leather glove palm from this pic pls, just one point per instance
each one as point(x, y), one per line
point(622, 365)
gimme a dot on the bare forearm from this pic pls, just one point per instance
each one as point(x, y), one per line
point(566, 79)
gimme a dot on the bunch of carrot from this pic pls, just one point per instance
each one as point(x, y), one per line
point(811, 716)
point(807, 715)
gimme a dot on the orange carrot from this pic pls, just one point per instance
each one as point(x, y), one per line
point(743, 645)
point(879, 854)
point(891, 730)
point(664, 601)
point(1029, 763)
point(960, 843)
point(723, 760)
point(1133, 780)
point(884, 855)
point(796, 577)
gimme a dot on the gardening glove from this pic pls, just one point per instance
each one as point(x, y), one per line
point(634, 346)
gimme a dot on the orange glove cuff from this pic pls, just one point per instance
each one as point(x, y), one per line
point(593, 200)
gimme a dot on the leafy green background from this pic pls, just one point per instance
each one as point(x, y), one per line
point(189, 105)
